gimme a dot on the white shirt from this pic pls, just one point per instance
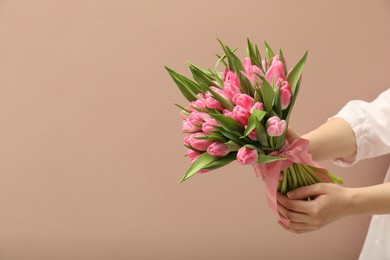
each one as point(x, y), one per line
point(371, 125)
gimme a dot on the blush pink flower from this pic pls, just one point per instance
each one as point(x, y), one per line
point(209, 126)
point(250, 70)
point(257, 106)
point(199, 103)
point(187, 127)
point(276, 126)
point(230, 76)
point(186, 140)
point(247, 156)
point(218, 149)
point(213, 103)
point(285, 94)
point(241, 115)
point(192, 155)
point(275, 71)
point(230, 90)
point(199, 144)
point(194, 118)
point(218, 90)
point(228, 113)
point(243, 100)
point(253, 135)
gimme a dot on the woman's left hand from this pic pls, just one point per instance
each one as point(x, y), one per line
point(330, 202)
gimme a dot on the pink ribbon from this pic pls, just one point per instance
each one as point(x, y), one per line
point(296, 152)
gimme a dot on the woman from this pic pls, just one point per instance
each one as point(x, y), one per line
point(360, 130)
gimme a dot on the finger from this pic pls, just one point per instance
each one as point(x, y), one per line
point(307, 191)
point(293, 215)
point(292, 230)
point(301, 206)
point(301, 227)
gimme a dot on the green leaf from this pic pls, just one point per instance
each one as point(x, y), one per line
point(267, 158)
point(200, 163)
point(281, 58)
point(255, 57)
point(224, 102)
point(278, 104)
point(188, 88)
point(269, 52)
point(221, 162)
point(257, 115)
point(295, 73)
point(228, 123)
point(261, 134)
point(235, 136)
point(201, 76)
point(287, 111)
point(183, 108)
point(233, 146)
point(254, 147)
point(214, 137)
point(236, 65)
point(268, 94)
point(258, 55)
point(218, 77)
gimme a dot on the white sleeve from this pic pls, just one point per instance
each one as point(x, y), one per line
point(370, 121)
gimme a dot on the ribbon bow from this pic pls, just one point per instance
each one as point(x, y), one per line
point(296, 152)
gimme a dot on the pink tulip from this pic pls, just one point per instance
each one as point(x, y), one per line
point(200, 103)
point(213, 104)
point(187, 127)
point(253, 135)
point(241, 115)
point(247, 156)
point(192, 155)
point(228, 113)
point(275, 58)
point(209, 126)
point(231, 76)
point(186, 140)
point(285, 94)
point(230, 90)
point(194, 118)
point(218, 90)
point(218, 149)
point(243, 100)
point(257, 106)
point(250, 70)
point(275, 71)
point(275, 126)
point(183, 115)
point(199, 144)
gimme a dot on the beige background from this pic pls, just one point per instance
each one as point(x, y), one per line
point(90, 142)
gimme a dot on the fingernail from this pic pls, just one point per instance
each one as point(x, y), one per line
point(291, 194)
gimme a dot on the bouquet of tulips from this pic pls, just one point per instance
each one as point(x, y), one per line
point(242, 114)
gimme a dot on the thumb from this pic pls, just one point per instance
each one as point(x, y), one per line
point(306, 191)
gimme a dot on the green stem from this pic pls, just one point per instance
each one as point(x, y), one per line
point(332, 177)
point(284, 182)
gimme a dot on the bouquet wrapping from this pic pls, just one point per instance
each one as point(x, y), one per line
point(242, 114)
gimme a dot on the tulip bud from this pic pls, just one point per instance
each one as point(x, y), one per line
point(199, 144)
point(275, 126)
point(243, 100)
point(241, 115)
point(247, 156)
point(218, 149)
point(275, 71)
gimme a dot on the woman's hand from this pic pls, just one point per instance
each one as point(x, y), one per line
point(330, 202)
